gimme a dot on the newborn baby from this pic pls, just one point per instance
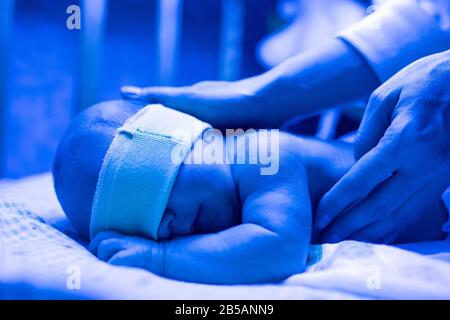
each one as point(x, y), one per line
point(222, 223)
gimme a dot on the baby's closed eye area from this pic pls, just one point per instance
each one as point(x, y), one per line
point(177, 223)
point(214, 214)
point(164, 231)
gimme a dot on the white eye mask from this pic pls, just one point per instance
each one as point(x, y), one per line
point(139, 170)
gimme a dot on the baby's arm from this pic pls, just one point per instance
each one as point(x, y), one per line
point(271, 243)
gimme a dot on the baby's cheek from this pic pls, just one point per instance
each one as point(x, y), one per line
point(185, 196)
point(205, 195)
point(190, 190)
point(220, 205)
point(191, 184)
point(217, 214)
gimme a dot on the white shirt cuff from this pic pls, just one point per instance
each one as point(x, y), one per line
point(395, 35)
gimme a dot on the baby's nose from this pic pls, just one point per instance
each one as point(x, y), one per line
point(164, 227)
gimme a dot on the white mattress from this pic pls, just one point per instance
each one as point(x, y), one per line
point(40, 258)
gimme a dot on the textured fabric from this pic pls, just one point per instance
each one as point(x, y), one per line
point(139, 170)
point(400, 32)
point(38, 262)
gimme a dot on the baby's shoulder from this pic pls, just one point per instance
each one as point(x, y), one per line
point(264, 152)
point(252, 141)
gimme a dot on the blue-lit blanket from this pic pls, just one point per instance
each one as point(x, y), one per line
point(42, 257)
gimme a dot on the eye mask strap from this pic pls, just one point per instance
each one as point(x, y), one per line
point(139, 170)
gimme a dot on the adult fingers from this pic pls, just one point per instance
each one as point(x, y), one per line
point(374, 168)
point(413, 209)
point(382, 231)
point(379, 205)
point(376, 119)
point(191, 100)
point(175, 97)
point(150, 94)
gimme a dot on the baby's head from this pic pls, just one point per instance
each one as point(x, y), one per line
point(203, 198)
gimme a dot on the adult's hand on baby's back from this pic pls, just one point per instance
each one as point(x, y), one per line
point(122, 250)
point(403, 158)
point(222, 104)
point(318, 79)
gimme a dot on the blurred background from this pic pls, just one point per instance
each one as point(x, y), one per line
point(49, 72)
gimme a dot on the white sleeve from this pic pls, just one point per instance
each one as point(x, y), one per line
point(400, 32)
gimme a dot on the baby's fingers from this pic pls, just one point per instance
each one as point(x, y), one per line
point(95, 242)
point(125, 258)
point(110, 247)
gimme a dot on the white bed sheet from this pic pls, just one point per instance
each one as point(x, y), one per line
point(39, 258)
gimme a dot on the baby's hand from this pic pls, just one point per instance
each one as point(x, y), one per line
point(121, 250)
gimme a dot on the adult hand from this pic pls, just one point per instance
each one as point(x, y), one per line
point(329, 75)
point(403, 158)
point(222, 104)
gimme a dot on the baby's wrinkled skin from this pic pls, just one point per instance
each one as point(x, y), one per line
point(224, 223)
point(206, 198)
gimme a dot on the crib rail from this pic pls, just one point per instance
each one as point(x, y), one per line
point(232, 37)
point(93, 29)
point(169, 21)
point(6, 22)
point(169, 33)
